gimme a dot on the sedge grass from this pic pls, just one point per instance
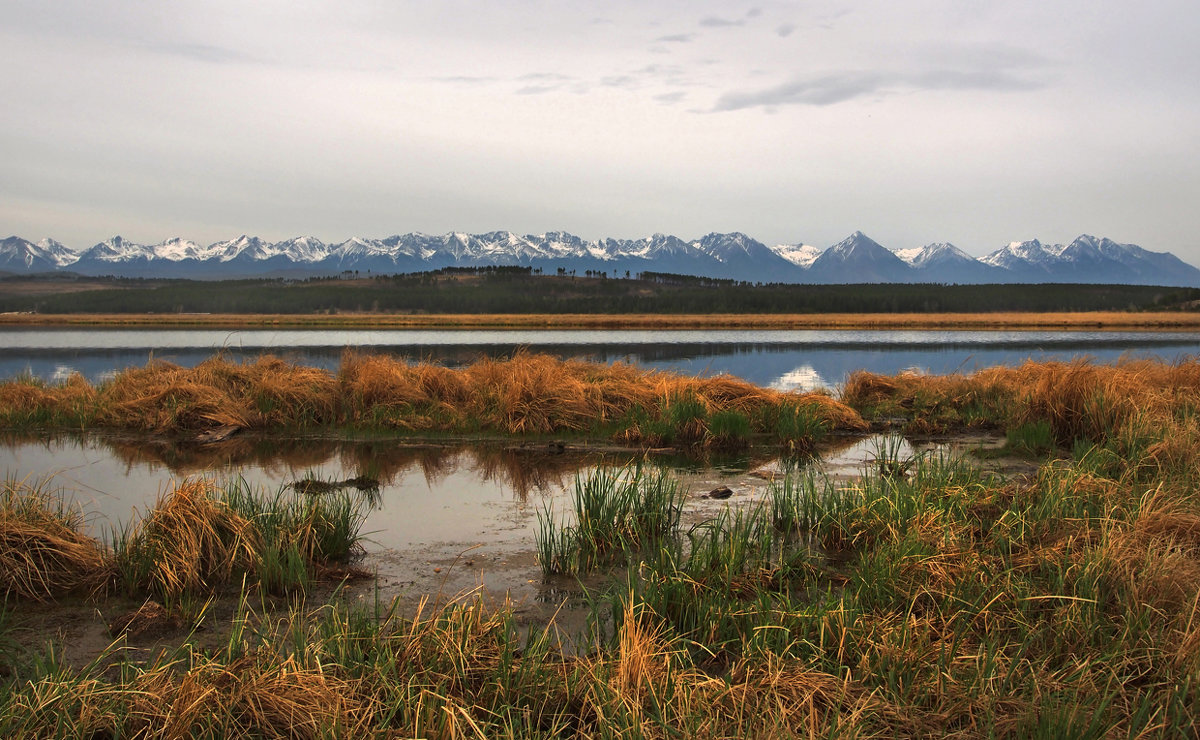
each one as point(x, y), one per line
point(200, 537)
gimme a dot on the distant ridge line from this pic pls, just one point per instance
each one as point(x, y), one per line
point(856, 259)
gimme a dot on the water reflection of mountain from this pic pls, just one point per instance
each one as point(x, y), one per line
point(781, 364)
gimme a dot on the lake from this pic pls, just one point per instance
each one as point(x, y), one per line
point(783, 359)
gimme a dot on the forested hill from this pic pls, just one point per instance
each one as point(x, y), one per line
point(522, 290)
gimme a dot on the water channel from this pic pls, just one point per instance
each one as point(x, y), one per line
point(783, 359)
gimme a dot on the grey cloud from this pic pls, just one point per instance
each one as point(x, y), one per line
point(545, 77)
point(671, 97)
point(618, 81)
point(753, 12)
point(786, 29)
point(677, 38)
point(204, 53)
point(540, 83)
point(536, 89)
point(464, 80)
point(825, 90)
point(658, 70)
point(983, 79)
point(713, 21)
point(847, 85)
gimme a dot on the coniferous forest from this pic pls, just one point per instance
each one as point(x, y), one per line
point(519, 290)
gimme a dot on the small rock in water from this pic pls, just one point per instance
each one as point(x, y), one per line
point(720, 493)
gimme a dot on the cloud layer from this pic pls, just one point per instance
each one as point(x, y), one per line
point(930, 119)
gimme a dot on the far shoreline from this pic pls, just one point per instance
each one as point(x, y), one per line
point(1064, 321)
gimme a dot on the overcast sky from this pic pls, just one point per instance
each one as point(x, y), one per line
point(972, 122)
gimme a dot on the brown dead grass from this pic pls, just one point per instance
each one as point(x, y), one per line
point(43, 553)
point(1079, 399)
point(190, 542)
point(258, 695)
point(526, 394)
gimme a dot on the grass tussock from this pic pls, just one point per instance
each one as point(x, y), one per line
point(1078, 400)
point(528, 394)
point(190, 541)
point(43, 552)
point(198, 539)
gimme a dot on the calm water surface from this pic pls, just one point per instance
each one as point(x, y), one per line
point(785, 359)
point(427, 495)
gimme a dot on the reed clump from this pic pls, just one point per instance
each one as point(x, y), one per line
point(189, 542)
point(1080, 400)
point(200, 537)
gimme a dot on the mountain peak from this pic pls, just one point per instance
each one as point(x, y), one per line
point(733, 255)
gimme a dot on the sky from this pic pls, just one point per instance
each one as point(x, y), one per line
point(977, 123)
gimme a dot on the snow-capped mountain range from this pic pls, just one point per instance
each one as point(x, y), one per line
point(856, 259)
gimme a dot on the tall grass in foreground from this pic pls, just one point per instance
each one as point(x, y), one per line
point(933, 601)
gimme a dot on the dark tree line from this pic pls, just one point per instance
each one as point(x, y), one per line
point(524, 290)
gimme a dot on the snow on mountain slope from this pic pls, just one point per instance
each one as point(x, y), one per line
point(732, 255)
point(177, 249)
point(57, 252)
point(22, 255)
point(117, 249)
point(941, 253)
point(859, 259)
point(1031, 254)
point(801, 255)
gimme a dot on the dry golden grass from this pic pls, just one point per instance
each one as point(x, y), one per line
point(43, 553)
point(1078, 399)
point(258, 695)
point(526, 394)
point(262, 393)
point(1157, 558)
point(190, 542)
point(1090, 320)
